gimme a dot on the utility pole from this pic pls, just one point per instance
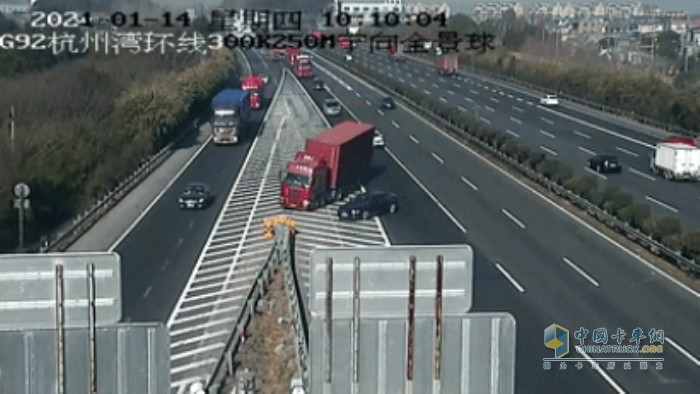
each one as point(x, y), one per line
point(12, 128)
point(22, 192)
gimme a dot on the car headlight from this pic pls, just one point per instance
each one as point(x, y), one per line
point(181, 200)
point(201, 200)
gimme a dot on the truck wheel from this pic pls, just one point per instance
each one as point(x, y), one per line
point(365, 215)
point(667, 175)
point(392, 208)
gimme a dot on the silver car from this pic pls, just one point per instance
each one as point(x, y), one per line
point(332, 107)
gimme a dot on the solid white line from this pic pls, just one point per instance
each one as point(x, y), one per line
point(160, 195)
point(517, 181)
point(547, 120)
point(438, 158)
point(629, 152)
point(643, 175)
point(513, 218)
point(513, 133)
point(661, 203)
point(580, 134)
point(550, 135)
point(509, 277)
point(518, 109)
point(393, 122)
point(551, 152)
point(602, 373)
point(489, 108)
point(581, 271)
point(414, 139)
point(469, 183)
point(582, 148)
point(596, 173)
point(683, 351)
point(516, 120)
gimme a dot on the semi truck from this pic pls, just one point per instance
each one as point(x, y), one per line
point(255, 84)
point(446, 64)
point(396, 53)
point(331, 165)
point(302, 66)
point(231, 108)
point(676, 158)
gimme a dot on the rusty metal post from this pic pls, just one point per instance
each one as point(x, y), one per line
point(60, 333)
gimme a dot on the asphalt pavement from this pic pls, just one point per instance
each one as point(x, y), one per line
point(533, 259)
point(568, 135)
point(160, 252)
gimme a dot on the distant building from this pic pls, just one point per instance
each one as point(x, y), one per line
point(363, 10)
point(413, 10)
point(485, 11)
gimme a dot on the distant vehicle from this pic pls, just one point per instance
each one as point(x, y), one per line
point(676, 158)
point(195, 196)
point(345, 43)
point(331, 166)
point(549, 100)
point(605, 164)
point(318, 84)
point(396, 53)
point(292, 53)
point(368, 205)
point(446, 64)
point(348, 57)
point(378, 141)
point(255, 84)
point(388, 103)
point(302, 66)
point(231, 109)
point(332, 107)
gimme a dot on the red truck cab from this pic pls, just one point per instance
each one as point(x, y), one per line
point(292, 54)
point(255, 84)
point(302, 66)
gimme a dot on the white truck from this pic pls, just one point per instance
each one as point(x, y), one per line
point(676, 158)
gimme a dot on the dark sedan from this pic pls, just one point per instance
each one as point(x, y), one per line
point(388, 103)
point(605, 164)
point(195, 196)
point(367, 205)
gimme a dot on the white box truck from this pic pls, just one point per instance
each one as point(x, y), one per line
point(676, 158)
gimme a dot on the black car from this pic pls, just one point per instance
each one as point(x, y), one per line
point(367, 205)
point(605, 164)
point(388, 103)
point(195, 196)
point(318, 84)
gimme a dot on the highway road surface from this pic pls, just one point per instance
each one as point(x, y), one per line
point(533, 259)
point(568, 135)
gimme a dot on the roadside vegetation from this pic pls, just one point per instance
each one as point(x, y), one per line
point(635, 93)
point(82, 126)
point(609, 198)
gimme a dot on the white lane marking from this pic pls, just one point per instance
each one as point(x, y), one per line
point(401, 80)
point(516, 108)
point(683, 351)
point(380, 112)
point(596, 173)
point(485, 120)
point(473, 91)
point(459, 107)
point(548, 150)
point(599, 128)
point(629, 152)
point(426, 91)
point(148, 291)
point(643, 175)
point(456, 85)
point(469, 183)
point(368, 102)
point(510, 96)
point(468, 99)
point(550, 135)
point(545, 120)
point(150, 206)
point(450, 92)
point(602, 373)
point(438, 158)
point(443, 99)
point(513, 218)
point(516, 120)
point(583, 135)
point(357, 93)
point(519, 99)
point(489, 108)
point(414, 139)
point(421, 79)
point(580, 271)
point(413, 85)
point(517, 181)
point(436, 86)
point(513, 133)
point(584, 149)
point(509, 277)
point(495, 100)
point(530, 103)
point(661, 203)
point(393, 122)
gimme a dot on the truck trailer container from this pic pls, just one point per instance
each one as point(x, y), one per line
point(231, 114)
point(676, 158)
point(331, 165)
point(446, 64)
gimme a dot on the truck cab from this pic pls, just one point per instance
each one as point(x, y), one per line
point(302, 66)
point(292, 54)
point(230, 115)
point(305, 182)
point(255, 84)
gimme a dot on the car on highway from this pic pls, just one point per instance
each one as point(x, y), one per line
point(318, 84)
point(378, 140)
point(195, 196)
point(549, 100)
point(605, 164)
point(332, 107)
point(368, 205)
point(348, 57)
point(388, 103)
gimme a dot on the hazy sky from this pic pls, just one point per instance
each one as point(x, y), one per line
point(691, 6)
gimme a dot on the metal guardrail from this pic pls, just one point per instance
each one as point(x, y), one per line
point(612, 222)
point(588, 103)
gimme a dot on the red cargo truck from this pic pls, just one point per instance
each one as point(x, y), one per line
point(446, 64)
point(292, 54)
point(396, 53)
point(302, 66)
point(330, 166)
point(255, 84)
